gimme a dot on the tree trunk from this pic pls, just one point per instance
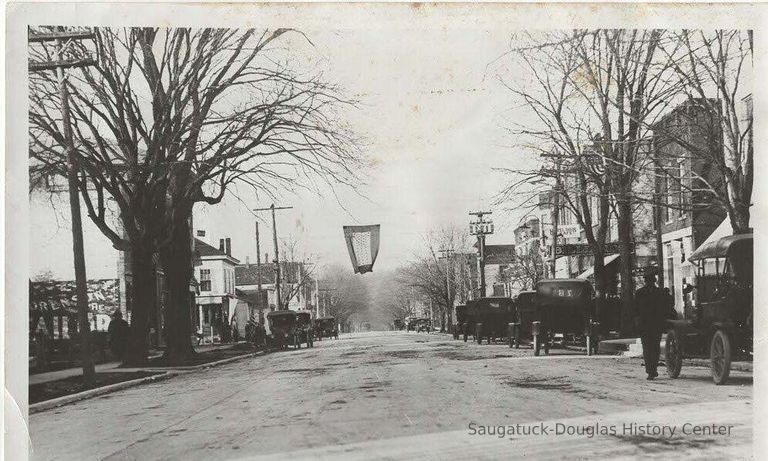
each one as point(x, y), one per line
point(176, 259)
point(625, 255)
point(143, 296)
point(600, 288)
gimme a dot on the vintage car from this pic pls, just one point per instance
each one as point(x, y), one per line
point(566, 307)
point(304, 329)
point(722, 325)
point(424, 324)
point(492, 317)
point(398, 324)
point(526, 314)
point(461, 319)
point(326, 327)
point(282, 327)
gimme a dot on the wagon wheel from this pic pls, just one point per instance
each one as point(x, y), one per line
point(673, 354)
point(536, 344)
point(720, 354)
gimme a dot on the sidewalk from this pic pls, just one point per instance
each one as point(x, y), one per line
point(112, 367)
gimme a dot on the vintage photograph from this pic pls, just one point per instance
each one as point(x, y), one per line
point(415, 238)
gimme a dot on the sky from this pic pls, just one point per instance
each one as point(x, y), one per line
point(432, 113)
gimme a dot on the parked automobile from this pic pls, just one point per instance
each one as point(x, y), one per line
point(492, 317)
point(526, 314)
point(326, 327)
point(424, 325)
point(282, 327)
point(304, 329)
point(723, 324)
point(564, 307)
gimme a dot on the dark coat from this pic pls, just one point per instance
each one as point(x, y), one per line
point(118, 336)
point(651, 309)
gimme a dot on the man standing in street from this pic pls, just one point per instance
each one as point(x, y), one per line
point(650, 306)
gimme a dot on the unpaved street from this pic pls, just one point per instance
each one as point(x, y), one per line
point(395, 394)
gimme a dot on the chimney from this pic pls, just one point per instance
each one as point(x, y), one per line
point(228, 243)
point(221, 245)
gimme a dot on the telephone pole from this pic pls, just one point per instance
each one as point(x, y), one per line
point(64, 39)
point(481, 228)
point(259, 306)
point(272, 208)
point(555, 212)
point(446, 253)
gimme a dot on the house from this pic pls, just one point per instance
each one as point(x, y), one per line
point(297, 289)
point(215, 274)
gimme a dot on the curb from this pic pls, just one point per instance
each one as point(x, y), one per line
point(207, 365)
point(166, 373)
point(90, 393)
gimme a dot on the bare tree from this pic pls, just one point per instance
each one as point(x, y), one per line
point(608, 88)
point(436, 278)
point(172, 117)
point(298, 274)
point(350, 295)
point(715, 70)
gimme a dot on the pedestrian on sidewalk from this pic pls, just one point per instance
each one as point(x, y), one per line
point(118, 331)
point(650, 315)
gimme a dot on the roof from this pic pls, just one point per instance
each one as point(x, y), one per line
point(723, 247)
point(248, 274)
point(204, 249)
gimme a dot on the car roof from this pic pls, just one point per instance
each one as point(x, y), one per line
point(723, 247)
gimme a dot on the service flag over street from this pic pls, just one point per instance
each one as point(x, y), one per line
point(363, 246)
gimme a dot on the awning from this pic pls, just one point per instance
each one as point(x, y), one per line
point(606, 260)
point(723, 230)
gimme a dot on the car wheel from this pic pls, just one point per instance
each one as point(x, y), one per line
point(720, 356)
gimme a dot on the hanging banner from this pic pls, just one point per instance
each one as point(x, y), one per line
point(363, 246)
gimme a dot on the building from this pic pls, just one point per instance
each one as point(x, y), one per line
point(687, 215)
point(297, 288)
point(215, 274)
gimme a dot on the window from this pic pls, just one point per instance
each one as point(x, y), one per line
point(205, 280)
point(665, 194)
point(669, 279)
point(681, 191)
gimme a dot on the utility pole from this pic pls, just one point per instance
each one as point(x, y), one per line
point(259, 306)
point(481, 228)
point(657, 215)
point(63, 39)
point(558, 158)
point(272, 208)
point(446, 253)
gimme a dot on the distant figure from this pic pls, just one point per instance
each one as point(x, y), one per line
point(235, 331)
point(650, 314)
point(118, 331)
